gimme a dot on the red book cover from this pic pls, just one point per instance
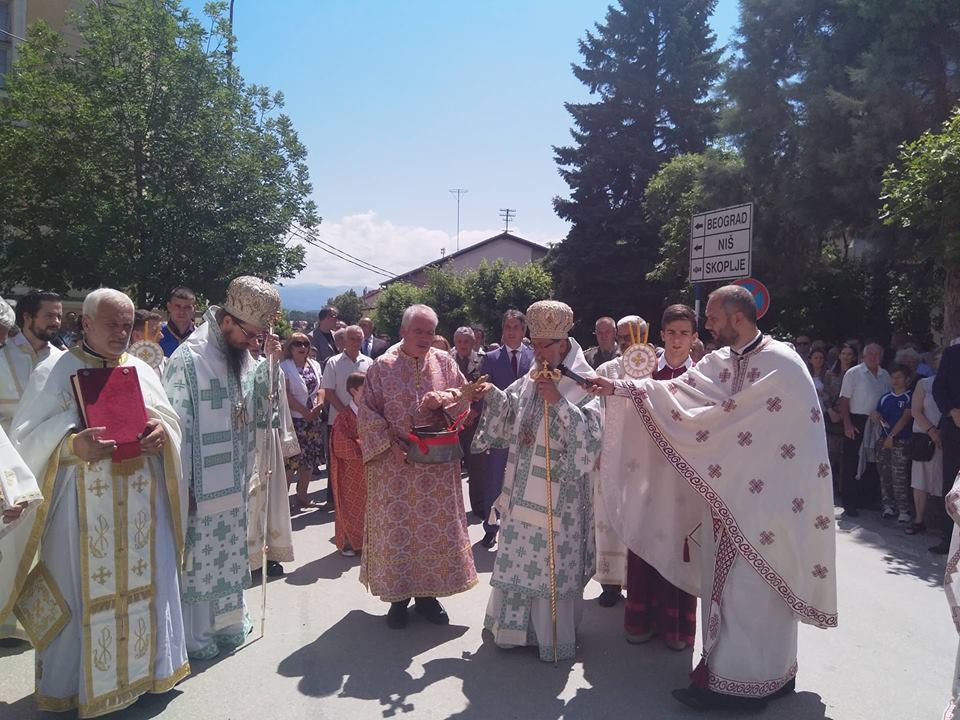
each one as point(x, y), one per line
point(111, 398)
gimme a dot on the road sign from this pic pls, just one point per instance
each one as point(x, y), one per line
point(720, 243)
point(761, 296)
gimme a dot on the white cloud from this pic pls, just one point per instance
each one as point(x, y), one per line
point(395, 248)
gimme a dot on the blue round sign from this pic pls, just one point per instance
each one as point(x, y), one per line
point(761, 296)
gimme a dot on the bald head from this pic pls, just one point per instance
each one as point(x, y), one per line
point(629, 328)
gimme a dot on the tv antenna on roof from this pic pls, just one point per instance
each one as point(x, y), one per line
point(507, 214)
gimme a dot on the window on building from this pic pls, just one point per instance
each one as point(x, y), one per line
point(6, 41)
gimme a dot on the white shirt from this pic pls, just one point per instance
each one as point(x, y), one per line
point(864, 389)
point(335, 375)
point(662, 362)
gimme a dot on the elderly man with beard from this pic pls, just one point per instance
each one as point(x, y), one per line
point(724, 487)
point(416, 542)
point(38, 315)
point(221, 394)
point(102, 603)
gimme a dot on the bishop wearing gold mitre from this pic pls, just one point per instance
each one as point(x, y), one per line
point(551, 426)
point(102, 600)
point(222, 396)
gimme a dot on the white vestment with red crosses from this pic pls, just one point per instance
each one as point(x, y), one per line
point(749, 525)
point(951, 588)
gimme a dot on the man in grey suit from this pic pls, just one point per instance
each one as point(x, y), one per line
point(506, 364)
point(372, 347)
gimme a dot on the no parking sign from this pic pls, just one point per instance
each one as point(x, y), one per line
point(761, 296)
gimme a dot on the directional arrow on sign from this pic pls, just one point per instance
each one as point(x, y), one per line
point(696, 269)
point(698, 226)
point(698, 247)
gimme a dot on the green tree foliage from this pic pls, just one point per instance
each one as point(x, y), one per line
point(818, 98)
point(921, 194)
point(686, 185)
point(391, 302)
point(479, 296)
point(652, 64)
point(145, 162)
point(350, 306)
point(446, 293)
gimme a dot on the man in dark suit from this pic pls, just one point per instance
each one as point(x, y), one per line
point(946, 393)
point(322, 335)
point(373, 347)
point(512, 360)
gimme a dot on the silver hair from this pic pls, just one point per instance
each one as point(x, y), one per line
point(91, 303)
point(464, 330)
point(7, 317)
point(633, 320)
point(353, 328)
point(419, 310)
point(338, 334)
point(907, 356)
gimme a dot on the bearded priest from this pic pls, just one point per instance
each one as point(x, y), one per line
point(720, 480)
point(547, 543)
point(102, 604)
point(221, 395)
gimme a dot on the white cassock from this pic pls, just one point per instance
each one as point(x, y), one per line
point(17, 361)
point(281, 443)
point(748, 525)
point(611, 552)
point(102, 604)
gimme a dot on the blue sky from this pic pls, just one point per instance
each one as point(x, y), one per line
point(399, 102)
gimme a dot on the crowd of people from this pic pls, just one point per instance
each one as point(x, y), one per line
point(700, 465)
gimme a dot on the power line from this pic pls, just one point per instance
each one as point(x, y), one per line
point(339, 254)
point(330, 250)
point(312, 237)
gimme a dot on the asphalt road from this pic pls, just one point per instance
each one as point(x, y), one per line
point(327, 652)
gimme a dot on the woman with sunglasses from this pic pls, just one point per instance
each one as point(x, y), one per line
point(306, 404)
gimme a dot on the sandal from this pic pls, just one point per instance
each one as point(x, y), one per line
point(915, 529)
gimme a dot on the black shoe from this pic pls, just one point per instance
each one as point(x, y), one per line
point(274, 569)
point(941, 548)
point(851, 513)
point(784, 691)
point(489, 540)
point(432, 610)
point(609, 596)
point(916, 529)
point(397, 615)
point(703, 699)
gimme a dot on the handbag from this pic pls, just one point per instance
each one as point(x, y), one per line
point(922, 447)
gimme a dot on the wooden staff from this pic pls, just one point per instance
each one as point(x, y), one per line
point(544, 371)
point(267, 479)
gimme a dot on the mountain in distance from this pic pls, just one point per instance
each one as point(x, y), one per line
point(310, 296)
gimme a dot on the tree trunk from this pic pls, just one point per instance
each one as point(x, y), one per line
point(951, 304)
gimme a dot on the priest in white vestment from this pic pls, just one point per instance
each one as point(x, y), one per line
point(280, 443)
point(611, 552)
point(748, 525)
point(38, 315)
point(102, 603)
point(220, 393)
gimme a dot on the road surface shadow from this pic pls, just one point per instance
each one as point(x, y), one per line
point(329, 567)
point(360, 657)
point(904, 554)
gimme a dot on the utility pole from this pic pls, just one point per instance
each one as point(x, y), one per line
point(459, 192)
point(507, 214)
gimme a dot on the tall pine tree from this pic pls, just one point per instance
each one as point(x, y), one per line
point(652, 64)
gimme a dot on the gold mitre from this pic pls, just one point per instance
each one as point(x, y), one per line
point(253, 301)
point(549, 320)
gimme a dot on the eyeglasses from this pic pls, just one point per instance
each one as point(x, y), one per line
point(300, 344)
point(247, 334)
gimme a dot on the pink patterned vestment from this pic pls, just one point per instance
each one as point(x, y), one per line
point(416, 542)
